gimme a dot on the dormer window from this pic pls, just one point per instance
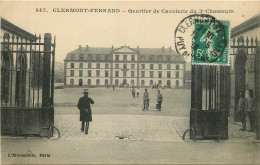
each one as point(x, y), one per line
point(72, 57)
point(98, 57)
point(81, 57)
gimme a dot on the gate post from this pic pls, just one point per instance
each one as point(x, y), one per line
point(46, 71)
point(257, 93)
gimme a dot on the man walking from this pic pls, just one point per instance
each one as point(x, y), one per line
point(85, 110)
point(241, 109)
point(146, 100)
point(159, 100)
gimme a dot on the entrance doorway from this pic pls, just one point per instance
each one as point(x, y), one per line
point(240, 81)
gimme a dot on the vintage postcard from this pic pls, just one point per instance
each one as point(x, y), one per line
point(122, 82)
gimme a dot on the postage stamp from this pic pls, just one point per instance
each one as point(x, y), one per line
point(210, 42)
point(204, 38)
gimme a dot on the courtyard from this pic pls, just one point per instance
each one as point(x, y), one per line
point(121, 133)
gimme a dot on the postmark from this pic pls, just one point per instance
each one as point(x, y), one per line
point(203, 38)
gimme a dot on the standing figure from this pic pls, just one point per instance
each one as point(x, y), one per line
point(113, 87)
point(250, 111)
point(241, 109)
point(146, 100)
point(159, 100)
point(133, 92)
point(85, 110)
point(137, 92)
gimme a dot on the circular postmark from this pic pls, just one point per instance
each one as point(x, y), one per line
point(202, 37)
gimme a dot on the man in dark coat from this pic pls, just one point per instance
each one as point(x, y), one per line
point(241, 109)
point(85, 110)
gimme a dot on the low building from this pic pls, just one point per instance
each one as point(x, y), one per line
point(124, 66)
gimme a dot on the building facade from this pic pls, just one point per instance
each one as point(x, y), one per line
point(124, 66)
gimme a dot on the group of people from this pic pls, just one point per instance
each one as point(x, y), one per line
point(146, 99)
point(246, 110)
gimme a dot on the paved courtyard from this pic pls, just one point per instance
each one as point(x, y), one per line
point(149, 137)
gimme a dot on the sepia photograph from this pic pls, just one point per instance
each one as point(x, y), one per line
point(130, 82)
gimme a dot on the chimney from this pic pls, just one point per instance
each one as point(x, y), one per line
point(112, 48)
point(86, 47)
point(163, 49)
point(138, 48)
point(170, 49)
point(80, 47)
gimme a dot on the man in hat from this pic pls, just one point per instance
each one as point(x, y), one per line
point(241, 109)
point(85, 110)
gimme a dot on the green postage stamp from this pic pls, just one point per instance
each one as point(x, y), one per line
point(210, 44)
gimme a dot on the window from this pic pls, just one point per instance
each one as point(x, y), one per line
point(168, 74)
point(125, 66)
point(106, 73)
point(132, 73)
point(98, 65)
point(151, 74)
point(168, 66)
point(142, 58)
point(143, 66)
point(177, 75)
point(90, 57)
point(117, 73)
point(151, 58)
point(132, 66)
point(89, 73)
point(160, 66)
point(72, 57)
point(71, 65)
point(160, 58)
point(117, 66)
point(106, 57)
point(169, 58)
point(117, 57)
point(177, 67)
point(97, 82)
point(106, 66)
point(142, 74)
point(151, 66)
point(133, 58)
point(124, 74)
point(81, 57)
point(89, 81)
point(142, 82)
point(89, 65)
point(72, 73)
point(160, 74)
point(98, 73)
point(125, 57)
point(71, 82)
point(80, 73)
point(80, 65)
point(98, 57)
point(151, 82)
point(116, 82)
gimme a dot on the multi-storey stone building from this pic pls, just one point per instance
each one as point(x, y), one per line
point(124, 66)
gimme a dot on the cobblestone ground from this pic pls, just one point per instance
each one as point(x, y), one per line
point(111, 127)
point(137, 127)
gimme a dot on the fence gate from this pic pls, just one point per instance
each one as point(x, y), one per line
point(27, 84)
point(210, 93)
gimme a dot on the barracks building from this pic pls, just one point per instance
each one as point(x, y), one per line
point(124, 66)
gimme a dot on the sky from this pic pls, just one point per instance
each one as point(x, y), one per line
point(146, 30)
